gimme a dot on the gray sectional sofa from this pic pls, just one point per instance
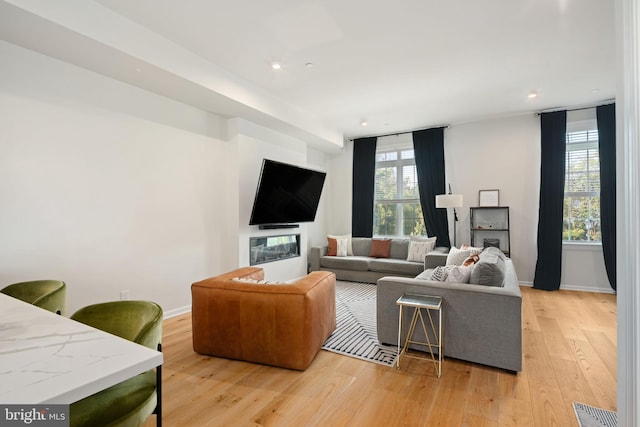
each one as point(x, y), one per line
point(360, 267)
point(481, 323)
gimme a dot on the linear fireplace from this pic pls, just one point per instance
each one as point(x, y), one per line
point(273, 248)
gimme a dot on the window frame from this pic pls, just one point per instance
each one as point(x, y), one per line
point(589, 128)
point(398, 164)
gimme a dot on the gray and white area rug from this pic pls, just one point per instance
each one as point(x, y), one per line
point(356, 334)
point(590, 416)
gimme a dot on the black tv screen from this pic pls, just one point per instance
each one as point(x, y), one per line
point(286, 194)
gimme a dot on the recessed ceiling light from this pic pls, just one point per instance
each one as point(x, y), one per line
point(595, 90)
point(276, 65)
point(309, 65)
point(364, 122)
point(532, 95)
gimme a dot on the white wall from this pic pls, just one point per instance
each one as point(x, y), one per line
point(111, 188)
point(255, 143)
point(501, 154)
point(504, 154)
point(317, 230)
point(105, 186)
point(340, 185)
point(583, 268)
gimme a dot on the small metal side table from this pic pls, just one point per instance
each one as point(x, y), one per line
point(420, 303)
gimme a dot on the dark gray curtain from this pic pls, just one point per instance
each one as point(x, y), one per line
point(553, 128)
point(606, 116)
point(428, 147)
point(364, 174)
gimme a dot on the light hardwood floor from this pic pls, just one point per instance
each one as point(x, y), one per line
point(569, 354)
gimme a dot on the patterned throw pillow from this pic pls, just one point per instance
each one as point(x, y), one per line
point(440, 273)
point(338, 245)
point(418, 249)
point(349, 244)
point(452, 273)
point(459, 274)
point(342, 246)
point(423, 239)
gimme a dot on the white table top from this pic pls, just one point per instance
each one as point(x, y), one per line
point(420, 301)
point(47, 358)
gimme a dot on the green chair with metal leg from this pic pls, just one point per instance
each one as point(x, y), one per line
point(48, 294)
point(130, 402)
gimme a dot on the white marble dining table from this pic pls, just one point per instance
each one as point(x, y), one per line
point(48, 358)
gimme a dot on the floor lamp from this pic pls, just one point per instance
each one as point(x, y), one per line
point(450, 201)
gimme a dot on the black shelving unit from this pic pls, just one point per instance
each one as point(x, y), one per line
point(490, 227)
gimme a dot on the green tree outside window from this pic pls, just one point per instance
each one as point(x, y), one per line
point(581, 211)
point(397, 210)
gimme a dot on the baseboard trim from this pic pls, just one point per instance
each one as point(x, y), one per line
point(598, 290)
point(176, 312)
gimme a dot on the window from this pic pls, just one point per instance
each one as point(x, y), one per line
point(397, 210)
point(581, 213)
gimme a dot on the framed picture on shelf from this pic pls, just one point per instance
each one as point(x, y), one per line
point(489, 198)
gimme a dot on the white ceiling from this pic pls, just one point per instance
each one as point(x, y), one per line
point(401, 65)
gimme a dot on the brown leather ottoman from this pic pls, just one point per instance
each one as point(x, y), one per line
point(281, 325)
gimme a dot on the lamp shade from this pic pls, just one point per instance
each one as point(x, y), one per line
point(449, 201)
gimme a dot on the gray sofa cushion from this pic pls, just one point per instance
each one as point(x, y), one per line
point(490, 269)
point(356, 263)
point(399, 249)
point(361, 246)
point(396, 266)
point(425, 275)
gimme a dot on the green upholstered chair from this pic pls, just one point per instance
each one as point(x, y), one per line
point(130, 402)
point(48, 294)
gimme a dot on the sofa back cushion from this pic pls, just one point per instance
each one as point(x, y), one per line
point(399, 249)
point(490, 269)
point(361, 246)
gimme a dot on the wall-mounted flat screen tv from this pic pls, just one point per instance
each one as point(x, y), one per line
point(286, 194)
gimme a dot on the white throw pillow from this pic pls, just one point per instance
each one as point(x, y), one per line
point(457, 256)
point(343, 245)
point(459, 274)
point(349, 244)
point(418, 249)
point(423, 239)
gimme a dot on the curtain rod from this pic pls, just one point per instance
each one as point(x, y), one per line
point(551, 110)
point(400, 133)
